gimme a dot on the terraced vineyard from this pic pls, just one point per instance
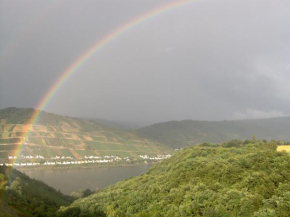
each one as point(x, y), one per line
point(56, 137)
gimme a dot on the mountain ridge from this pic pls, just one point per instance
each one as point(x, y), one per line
point(178, 134)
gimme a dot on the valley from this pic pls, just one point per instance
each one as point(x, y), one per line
point(149, 108)
point(200, 180)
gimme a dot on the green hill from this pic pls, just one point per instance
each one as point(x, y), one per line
point(56, 138)
point(178, 134)
point(232, 179)
point(22, 196)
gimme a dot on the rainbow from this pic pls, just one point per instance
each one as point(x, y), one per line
point(81, 60)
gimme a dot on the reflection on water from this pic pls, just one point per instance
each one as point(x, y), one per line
point(82, 178)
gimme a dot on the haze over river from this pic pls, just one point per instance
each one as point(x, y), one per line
point(78, 179)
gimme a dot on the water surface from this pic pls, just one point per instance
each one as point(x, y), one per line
point(78, 179)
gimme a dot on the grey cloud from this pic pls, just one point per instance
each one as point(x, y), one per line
point(207, 60)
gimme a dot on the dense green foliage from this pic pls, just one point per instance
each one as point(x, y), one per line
point(22, 196)
point(232, 179)
point(178, 134)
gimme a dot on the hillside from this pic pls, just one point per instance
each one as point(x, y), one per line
point(120, 125)
point(185, 133)
point(57, 139)
point(22, 196)
point(232, 179)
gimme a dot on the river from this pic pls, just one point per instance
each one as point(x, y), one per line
point(78, 179)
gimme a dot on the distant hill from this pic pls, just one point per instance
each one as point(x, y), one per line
point(232, 179)
point(120, 125)
point(22, 196)
point(72, 138)
point(178, 134)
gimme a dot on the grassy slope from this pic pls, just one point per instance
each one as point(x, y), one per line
point(22, 196)
point(65, 136)
point(247, 180)
point(185, 133)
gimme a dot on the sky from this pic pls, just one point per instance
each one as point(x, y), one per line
point(205, 60)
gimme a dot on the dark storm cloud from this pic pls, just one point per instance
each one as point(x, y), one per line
point(207, 60)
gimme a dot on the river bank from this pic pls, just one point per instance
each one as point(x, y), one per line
point(87, 166)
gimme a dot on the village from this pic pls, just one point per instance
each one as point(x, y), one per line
point(39, 160)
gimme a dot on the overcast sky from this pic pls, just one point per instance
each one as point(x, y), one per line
point(207, 60)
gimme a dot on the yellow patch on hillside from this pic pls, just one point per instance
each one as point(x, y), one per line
point(75, 124)
point(88, 138)
point(35, 127)
point(51, 134)
point(114, 139)
point(3, 121)
point(67, 135)
point(283, 148)
point(20, 128)
point(97, 134)
point(8, 127)
point(6, 135)
point(43, 141)
point(41, 128)
point(74, 136)
point(52, 128)
point(139, 141)
point(67, 128)
point(13, 135)
point(23, 127)
point(76, 155)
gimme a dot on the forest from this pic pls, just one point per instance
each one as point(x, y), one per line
point(236, 178)
point(22, 196)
